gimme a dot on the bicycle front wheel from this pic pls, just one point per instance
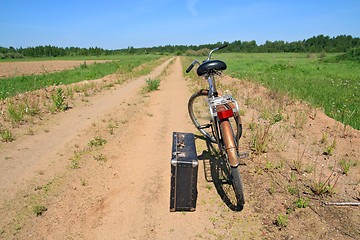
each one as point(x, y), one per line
point(199, 113)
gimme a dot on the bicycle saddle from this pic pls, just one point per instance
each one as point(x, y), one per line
point(210, 66)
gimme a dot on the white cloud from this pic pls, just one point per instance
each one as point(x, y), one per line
point(191, 7)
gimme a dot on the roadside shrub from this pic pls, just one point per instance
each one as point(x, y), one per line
point(350, 55)
point(203, 52)
point(18, 55)
point(9, 55)
point(83, 65)
point(279, 67)
point(198, 53)
point(190, 53)
point(322, 55)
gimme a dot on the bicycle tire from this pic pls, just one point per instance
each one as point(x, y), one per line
point(197, 103)
point(237, 185)
point(231, 183)
point(203, 118)
point(229, 148)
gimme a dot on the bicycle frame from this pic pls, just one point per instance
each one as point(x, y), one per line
point(216, 106)
point(224, 112)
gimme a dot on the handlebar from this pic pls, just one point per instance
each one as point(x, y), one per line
point(191, 66)
point(222, 46)
point(217, 48)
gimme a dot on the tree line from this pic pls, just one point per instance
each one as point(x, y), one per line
point(316, 44)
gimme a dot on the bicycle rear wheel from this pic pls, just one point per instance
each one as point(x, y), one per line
point(237, 185)
point(228, 147)
point(199, 112)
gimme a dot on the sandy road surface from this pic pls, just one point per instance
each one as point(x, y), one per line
point(139, 208)
point(10, 69)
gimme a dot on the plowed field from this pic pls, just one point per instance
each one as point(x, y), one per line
point(12, 69)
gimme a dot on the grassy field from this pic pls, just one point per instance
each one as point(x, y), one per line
point(125, 63)
point(329, 85)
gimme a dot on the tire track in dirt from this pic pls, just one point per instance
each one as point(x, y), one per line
point(49, 148)
point(138, 207)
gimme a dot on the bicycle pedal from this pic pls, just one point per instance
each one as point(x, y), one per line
point(243, 155)
point(205, 126)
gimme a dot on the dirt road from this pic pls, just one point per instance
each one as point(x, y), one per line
point(139, 206)
point(101, 170)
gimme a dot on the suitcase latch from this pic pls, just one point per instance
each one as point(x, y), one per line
point(181, 141)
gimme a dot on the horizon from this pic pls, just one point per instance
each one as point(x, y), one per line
point(148, 23)
point(178, 45)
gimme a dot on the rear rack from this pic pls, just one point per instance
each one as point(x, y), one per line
point(222, 100)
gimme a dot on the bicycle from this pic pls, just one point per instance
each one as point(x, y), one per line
point(223, 126)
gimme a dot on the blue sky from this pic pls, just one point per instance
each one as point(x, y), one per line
point(119, 24)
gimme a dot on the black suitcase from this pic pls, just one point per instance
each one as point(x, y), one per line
point(184, 170)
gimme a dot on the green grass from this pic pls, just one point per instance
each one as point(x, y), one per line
point(333, 86)
point(6, 136)
point(39, 210)
point(97, 141)
point(151, 85)
point(13, 86)
point(345, 165)
point(281, 221)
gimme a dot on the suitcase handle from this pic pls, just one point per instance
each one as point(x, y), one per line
point(174, 162)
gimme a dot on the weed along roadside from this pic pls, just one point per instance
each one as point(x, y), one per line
point(301, 158)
